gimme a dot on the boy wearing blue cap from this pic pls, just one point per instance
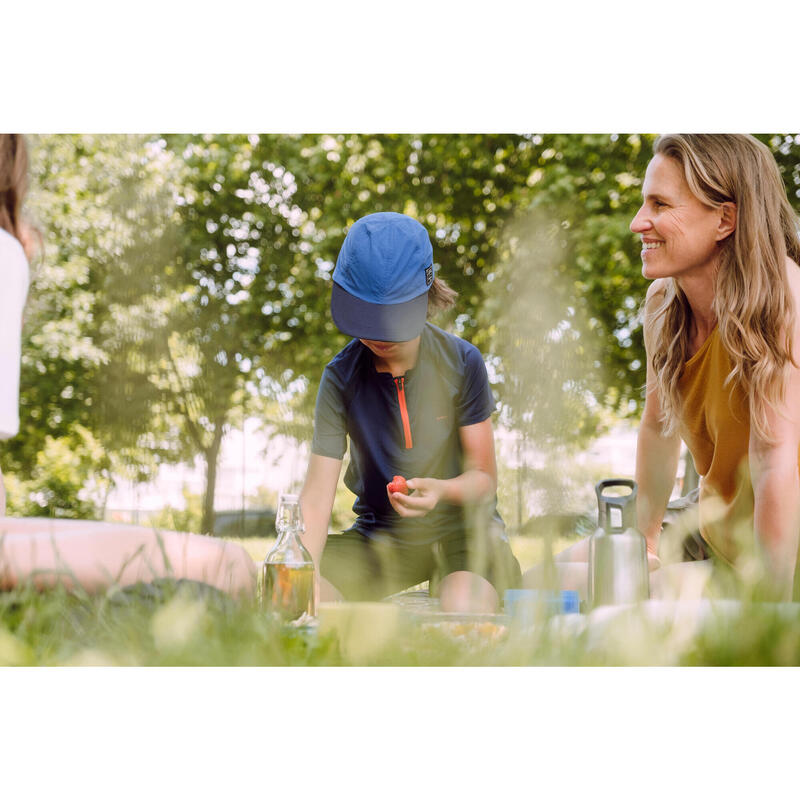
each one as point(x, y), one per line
point(414, 401)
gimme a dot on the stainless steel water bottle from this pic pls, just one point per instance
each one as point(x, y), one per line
point(618, 571)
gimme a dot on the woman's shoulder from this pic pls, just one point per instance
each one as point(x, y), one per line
point(13, 262)
point(648, 313)
point(654, 299)
point(11, 247)
point(793, 276)
point(793, 281)
point(657, 291)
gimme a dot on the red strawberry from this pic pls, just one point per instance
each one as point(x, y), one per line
point(398, 484)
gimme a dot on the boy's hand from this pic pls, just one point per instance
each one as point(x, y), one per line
point(427, 492)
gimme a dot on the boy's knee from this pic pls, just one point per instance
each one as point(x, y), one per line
point(467, 592)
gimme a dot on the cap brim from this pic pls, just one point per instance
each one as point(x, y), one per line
point(400, 322)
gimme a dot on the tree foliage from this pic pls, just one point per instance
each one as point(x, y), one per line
point(99, 201)
point(186, 279)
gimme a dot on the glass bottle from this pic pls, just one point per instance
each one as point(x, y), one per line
point(288, 571)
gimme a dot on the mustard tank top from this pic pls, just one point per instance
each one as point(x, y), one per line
point(715, 424)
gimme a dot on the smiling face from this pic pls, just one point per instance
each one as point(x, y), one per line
point(679, 233)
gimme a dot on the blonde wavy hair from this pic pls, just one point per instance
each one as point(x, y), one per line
point(752, 302)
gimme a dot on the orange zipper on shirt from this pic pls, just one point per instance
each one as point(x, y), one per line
point(401, 397)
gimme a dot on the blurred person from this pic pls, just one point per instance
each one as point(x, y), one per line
point(16, 248)
point(91, 555)
point(415, 401)
point(722, 336)
point(98, 555)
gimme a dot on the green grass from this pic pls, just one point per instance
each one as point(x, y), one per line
point(529, 551)
point(184, 627)
point(58, 628)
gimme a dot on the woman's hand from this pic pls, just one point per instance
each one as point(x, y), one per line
point(425, 496)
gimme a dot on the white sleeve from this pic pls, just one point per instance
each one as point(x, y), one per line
point(14, 278)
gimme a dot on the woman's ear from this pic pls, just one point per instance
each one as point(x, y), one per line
point(727, 221)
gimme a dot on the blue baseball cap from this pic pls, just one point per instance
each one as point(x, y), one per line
point(382, 277)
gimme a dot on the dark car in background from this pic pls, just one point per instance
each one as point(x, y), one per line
point(245, 523)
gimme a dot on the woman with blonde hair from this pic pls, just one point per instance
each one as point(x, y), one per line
point(722, 335)
point(76, 553)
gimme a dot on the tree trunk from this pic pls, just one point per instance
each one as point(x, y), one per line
point(212, 457)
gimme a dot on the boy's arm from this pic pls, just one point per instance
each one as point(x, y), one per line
point(316, 502)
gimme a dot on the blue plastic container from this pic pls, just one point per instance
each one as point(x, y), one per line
point(526, 604)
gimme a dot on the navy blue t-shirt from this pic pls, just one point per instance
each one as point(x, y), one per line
point(446, 389)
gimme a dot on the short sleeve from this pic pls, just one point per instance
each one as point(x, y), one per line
point(14, 279)
point(330, 429)
point(475, 401)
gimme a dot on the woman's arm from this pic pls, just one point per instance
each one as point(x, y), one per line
point(656, 454)
point(774, 475)
point(476, 483)
point(96, 555)
point(656, 466)
point(776, 512)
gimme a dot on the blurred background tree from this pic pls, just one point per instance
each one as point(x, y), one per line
point(185, 285)
point(101, 202)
